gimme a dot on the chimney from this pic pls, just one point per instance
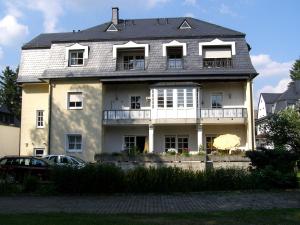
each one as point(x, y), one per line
point(115, 15)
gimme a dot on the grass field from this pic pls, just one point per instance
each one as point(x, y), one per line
point(241, 217)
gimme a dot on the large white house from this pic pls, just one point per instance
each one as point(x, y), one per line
point(153, 84)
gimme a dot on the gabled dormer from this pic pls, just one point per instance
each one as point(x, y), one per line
point(111, 27)
point(185, 25)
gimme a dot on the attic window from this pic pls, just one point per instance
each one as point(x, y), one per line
point(185, 25)
point(112, 27)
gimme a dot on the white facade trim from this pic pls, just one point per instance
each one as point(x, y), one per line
point(217, 42)
point(174, 43)
point(131, 44)
point(78, 47)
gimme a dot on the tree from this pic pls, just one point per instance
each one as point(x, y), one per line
point(295, 71)
point(10, 92)
point(283, 129)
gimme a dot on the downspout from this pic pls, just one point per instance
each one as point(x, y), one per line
point(252, 119)
point(49, 116)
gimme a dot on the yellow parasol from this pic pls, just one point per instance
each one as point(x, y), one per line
point(227, 142)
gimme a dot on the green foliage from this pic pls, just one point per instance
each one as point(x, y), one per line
point(10, 92)
point(295, 71)
point(98, 179)
point(283, 129)
point(280, 160)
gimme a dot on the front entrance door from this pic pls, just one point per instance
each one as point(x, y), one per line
point(140, 143)
point(209, 143)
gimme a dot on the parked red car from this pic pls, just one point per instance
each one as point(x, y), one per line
point(18, 167)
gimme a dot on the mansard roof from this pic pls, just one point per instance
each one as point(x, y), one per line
point(137, 29)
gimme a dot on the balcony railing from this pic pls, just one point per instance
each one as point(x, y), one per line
point(224, 113)
point(217, 63)
point(175, 63)
point(132, 65)
point(126, 114)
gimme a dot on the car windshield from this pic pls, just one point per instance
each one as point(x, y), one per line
point(77, 159)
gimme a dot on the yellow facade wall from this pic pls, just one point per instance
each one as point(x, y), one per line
point(86, 121)
point(34, 97)
point(9, 140)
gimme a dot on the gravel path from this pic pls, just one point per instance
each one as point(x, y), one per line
point(151, 203)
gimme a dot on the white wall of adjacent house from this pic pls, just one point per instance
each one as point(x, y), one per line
point(9, 140)
point(262, 112)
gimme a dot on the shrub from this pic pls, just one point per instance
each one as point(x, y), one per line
point(94, 178)
point(281, 160)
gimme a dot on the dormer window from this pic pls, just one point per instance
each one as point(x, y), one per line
point(217, 53)
point(217, 57)
point(185, 25)
point(175, 59)
point(76, 55)
point(76, 58)
point(112, 27)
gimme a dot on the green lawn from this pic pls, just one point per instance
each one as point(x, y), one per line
point(241, 217)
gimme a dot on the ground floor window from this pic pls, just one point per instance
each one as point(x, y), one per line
point(176, 142)
point(183, 143)
point(39, 152)
point(209, 143)
point(74, 142)
point(138, 143)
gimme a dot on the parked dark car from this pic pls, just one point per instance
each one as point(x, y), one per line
point(16, 168)
point(66, 160)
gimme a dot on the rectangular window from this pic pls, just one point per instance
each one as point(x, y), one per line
point(135, 102)
point(160, 98)
point(170, 142)
point(174, 57)
point(40, 118)
point(39, 152)
point(189, 97)
point(129, 142)
point(180, 98)
point(76, 58)
point(75, 100)
point(183, 143)
point(74, 143)
point(216, 101)
point(169, 98)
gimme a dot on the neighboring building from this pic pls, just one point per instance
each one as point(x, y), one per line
point(151, 83)
point(9, 133)
point(270, 103)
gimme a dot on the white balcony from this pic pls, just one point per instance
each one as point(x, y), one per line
point(126, 116)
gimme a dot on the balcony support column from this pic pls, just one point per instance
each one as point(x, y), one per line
point(151, 138)
point(199, 136)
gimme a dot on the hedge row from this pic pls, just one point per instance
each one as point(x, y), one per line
point(103, 178)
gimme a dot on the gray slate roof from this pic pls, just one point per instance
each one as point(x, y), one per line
point(137, 29)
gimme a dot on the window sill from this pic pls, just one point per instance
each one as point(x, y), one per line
point(40, 127)
point(74, 151)
point(77, 108)
point(76, 66)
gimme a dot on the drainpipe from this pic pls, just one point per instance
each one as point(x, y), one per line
point(49, 115)
point(252, 119)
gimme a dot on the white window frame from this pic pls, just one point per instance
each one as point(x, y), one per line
point(186, 97)
point(38, 155)
point(77, 47)
point(182, 136)
point(217, 42)
point(135, 102)
point(176, 140)
point(211, 99)
point(169, 98)
point(68, 100)
point(70, 58)
point(38, 125)
point(124, 142)
point(67, 143)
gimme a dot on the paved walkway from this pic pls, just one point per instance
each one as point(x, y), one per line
point(151, 203)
